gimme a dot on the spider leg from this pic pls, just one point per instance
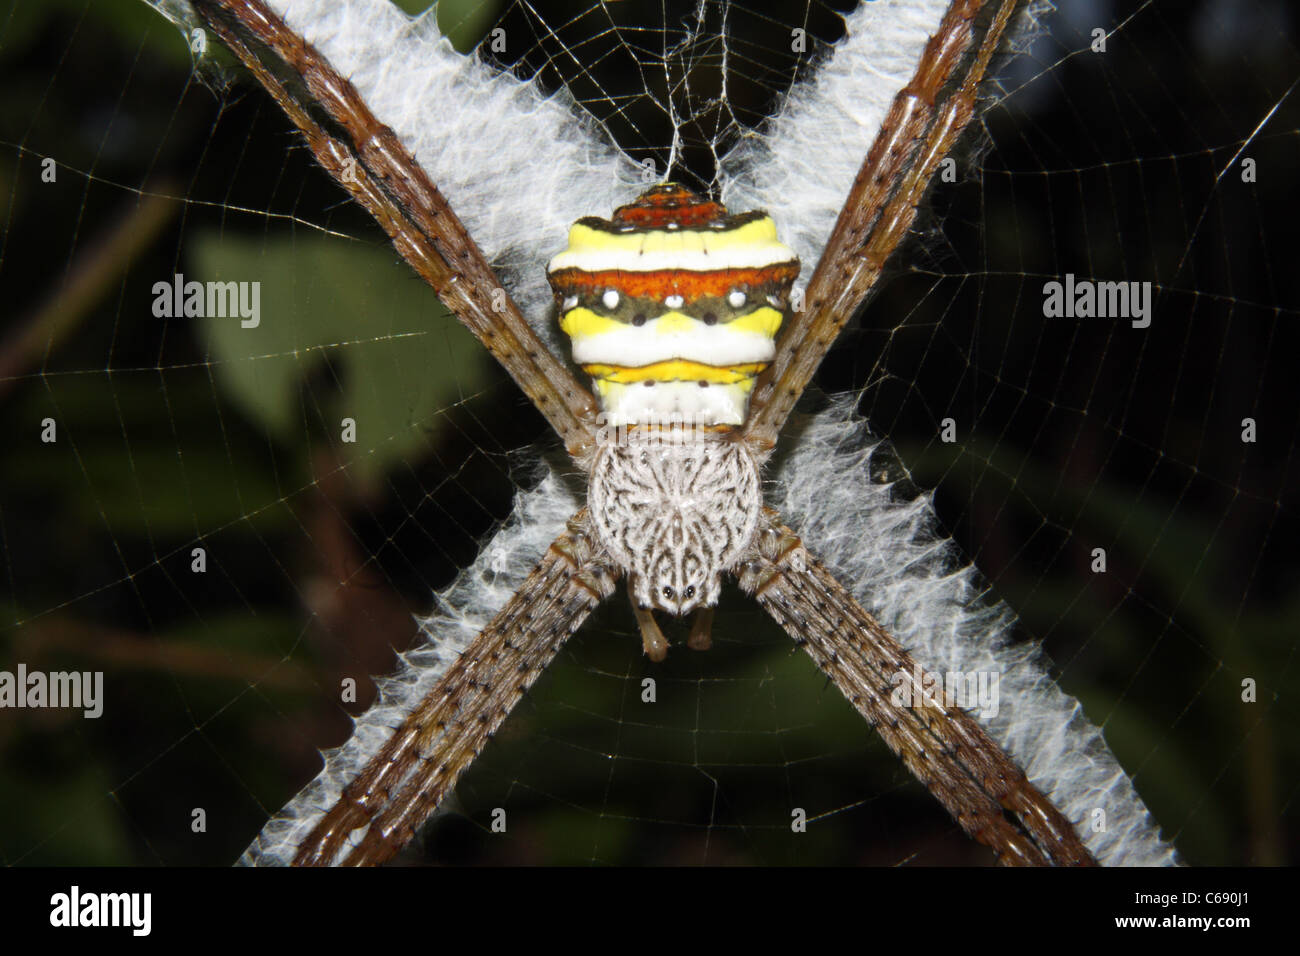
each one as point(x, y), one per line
point(374, 167)
point(405, 781)
point(943, 746)
point(916, 135)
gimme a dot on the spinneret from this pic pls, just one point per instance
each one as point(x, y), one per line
point(673, 306)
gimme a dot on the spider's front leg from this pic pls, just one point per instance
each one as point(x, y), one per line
point(942, 745)
point(382, 808)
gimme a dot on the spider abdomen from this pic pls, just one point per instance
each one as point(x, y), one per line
point(673, 306)
point(675, 515)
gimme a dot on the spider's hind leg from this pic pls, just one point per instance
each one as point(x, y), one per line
point(652, 639)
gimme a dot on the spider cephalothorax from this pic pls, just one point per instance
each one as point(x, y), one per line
point(673, 307)
point(675, 515)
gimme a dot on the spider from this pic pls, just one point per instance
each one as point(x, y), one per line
point(673, 307)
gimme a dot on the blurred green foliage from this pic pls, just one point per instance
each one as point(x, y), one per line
point(392, 352)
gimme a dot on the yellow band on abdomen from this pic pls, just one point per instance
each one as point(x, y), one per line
point(675, 370)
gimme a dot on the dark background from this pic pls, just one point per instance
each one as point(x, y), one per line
point(1073, 435)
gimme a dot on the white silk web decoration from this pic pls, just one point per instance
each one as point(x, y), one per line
point(504, 154)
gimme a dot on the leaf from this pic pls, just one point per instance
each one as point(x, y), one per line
point(390, 370)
